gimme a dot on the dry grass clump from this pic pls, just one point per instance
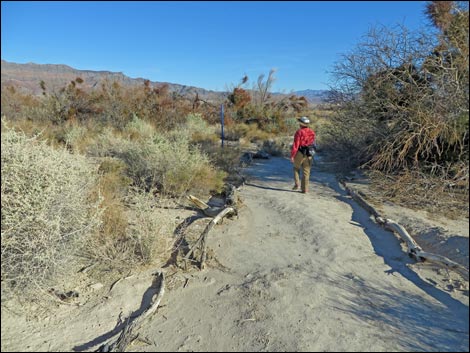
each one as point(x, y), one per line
point(150, 229)
point(48, 212)
point(136, 232)
point(113, 186)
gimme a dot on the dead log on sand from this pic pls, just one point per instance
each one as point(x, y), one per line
point(128, 332)
point(218, 213)
point(414, 250)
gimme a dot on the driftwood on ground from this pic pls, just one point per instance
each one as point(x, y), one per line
point(128, 334)
point(218, 213)
point(414, 250)
point(221, 215)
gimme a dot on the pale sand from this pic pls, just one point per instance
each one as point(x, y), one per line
point(299, 273)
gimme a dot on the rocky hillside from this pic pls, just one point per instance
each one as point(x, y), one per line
point(314, 96)
point(27, 78)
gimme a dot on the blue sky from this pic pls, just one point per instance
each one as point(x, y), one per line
point(211, 44)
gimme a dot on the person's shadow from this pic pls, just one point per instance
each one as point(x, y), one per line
point(145, 303)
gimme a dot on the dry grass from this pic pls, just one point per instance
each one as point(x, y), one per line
point(142, 234)
point(419, 191)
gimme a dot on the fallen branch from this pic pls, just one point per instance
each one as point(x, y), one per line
point(213, 211)
point(413, 247)
point(203, 237)
point(218, 213)
point(221, 215)
point(194, 246)
point(127, 334)
point(414, 250)
point(204, 207)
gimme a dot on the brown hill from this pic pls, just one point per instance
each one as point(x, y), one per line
point(27, 78)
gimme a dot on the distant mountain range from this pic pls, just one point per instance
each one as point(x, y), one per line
point(26, 78)
point(314, 96)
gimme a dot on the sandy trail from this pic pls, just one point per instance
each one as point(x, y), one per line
point(307, 273)
point(299, 273)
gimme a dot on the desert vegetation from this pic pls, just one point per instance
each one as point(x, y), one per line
point(87, 173)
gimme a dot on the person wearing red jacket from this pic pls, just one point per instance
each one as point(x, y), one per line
point(299, 156)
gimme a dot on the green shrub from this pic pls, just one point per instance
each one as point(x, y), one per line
point(138, 129)
point(199, 130)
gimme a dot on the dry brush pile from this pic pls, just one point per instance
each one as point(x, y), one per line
point(403, 105)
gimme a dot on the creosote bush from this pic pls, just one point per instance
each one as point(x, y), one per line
point(48, 211)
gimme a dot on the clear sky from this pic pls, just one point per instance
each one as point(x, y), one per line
point(210, 45)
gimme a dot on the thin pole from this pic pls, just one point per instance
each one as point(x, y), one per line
point(222, 122)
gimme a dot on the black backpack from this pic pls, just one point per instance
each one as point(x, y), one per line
point(308, 151)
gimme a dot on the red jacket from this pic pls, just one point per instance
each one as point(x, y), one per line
point(303, 137)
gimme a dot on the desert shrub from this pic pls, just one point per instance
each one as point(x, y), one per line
point(402, 100)
point(47, 211)
point(291, 125)
point(255, 134)
point(196, 123)
point(345, 143)
point(138, 129)
point(74, 135)
point(167, 162)
point(226, 159)
point(404, 103)
point(237, 131)
point(199, 130)
point(16, 104)
point(249, 132)
point(275, 147)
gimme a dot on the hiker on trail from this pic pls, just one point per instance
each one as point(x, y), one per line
point(301, 155)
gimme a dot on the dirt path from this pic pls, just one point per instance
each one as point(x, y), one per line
point(298, 273)
point(307, 273)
